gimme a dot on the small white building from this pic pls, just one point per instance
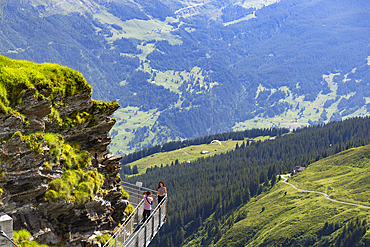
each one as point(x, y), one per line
point(204, 152)
point(6, 225)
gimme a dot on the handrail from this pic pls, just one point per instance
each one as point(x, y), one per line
point(133, 231)
point(149, 223)
point(121, 228)
point(140, 187)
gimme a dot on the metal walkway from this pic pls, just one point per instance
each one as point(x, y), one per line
point(133, 231)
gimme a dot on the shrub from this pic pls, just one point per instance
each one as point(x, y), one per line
point(125, 195)
point(22, 238)
point(21, 235)
point(129, 209)
point(76, 118)
point(75, 186)
point(33, 140)
point(103, 106)
point(71, 156)
point(103, 239)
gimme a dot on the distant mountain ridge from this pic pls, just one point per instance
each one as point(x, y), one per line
point(182, 71)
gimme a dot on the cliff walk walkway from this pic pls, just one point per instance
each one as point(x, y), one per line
point(133, 232)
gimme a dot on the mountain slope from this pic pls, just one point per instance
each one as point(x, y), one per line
point(210, 189)
point(182, 70)
point(286, 216)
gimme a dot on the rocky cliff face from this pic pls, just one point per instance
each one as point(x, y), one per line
point(59, 181)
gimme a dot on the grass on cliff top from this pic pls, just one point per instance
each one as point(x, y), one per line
point(16, 76)
point(344, 176)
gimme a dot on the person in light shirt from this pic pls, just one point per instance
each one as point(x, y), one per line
point(148, 199)
point(162, 191)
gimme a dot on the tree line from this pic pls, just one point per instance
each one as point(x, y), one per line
point(173, 145)
point(222, 182)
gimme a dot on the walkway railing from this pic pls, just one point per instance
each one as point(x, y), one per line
point(147, 231)
point(133, 231)
point(135, 192)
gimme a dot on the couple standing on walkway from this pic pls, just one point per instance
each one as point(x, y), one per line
point(148, 199)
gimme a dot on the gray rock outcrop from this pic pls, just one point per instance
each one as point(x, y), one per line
point(25, 178)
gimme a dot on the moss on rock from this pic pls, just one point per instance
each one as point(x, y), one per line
point(76, 118)
point(103, 106)
point(75, 186)
point(68, 155)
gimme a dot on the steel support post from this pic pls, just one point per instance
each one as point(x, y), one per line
point(153, 218)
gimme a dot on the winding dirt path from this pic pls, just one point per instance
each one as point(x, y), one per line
point(285, 180)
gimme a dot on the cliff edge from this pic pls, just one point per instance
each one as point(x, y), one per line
point(58, 179)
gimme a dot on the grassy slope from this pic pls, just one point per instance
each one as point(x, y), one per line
point(187, 154)
point(344, 176)
point(298, 213)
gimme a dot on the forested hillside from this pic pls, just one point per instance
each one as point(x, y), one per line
point(283, 216)
point(286, 217)
point(221, 183)
point(182, 70)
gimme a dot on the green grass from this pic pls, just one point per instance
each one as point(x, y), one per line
point(344, 176)
point(67, 154)
point(104, 238)
point(290, 213)
point(286, 216)
point(190, 153)
point(22, 238)
point(17, 76)
point(169, 79)
point(75, 186)
point(172, 79)
point(147, 49)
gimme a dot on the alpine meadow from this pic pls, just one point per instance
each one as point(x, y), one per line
point(254, 115)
